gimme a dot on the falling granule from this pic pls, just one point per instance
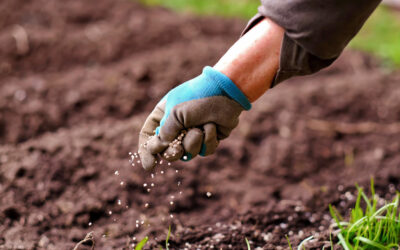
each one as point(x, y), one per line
point(209, 194)
point(119, 202)
point(90, 224)
point(146, 205)
point(110, 212)
point(176, 171)
point(126, 207)
point(133, 238)
point(121, 183)
point(161, 162)
point(169, 163)
point(171, 203)
point(180, 192)
point(116, 172)
point(152, 176)
point(137, 221)
point(162, 172)
point(137, 225)
point(171, 215)
point(148, 190)
point(179, 183)
point(133, 245)
point(133, 164)
point(130, 153)
point(172, 197)
point(152, 184)
point(142, 222)
point(104, 235)
point(145, 185)
point(138, 161)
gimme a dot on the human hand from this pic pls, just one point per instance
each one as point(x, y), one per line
point(207, 107)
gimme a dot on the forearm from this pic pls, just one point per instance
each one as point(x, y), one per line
point(252, 62)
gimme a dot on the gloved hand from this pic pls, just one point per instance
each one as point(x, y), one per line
point(206, 107)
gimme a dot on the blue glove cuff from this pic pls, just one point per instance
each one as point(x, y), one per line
point(228, 86)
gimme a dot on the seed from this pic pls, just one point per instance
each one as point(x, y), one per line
point(116, 172)
point(121, 183)
point(209, 194)
point(171, 203)
point(152, 184)
point(119, 202)
point(146, 205)
point(90, 223)
point(162, 172)
point(110, 212)
point(145, 185)
point(185, 157)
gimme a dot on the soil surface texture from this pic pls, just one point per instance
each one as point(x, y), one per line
point(77, 80)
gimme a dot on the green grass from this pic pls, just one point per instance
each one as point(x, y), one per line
point(227, 8)
point(379, 36)
point(369, 227)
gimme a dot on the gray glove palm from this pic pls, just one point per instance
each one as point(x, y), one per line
point(208, 107)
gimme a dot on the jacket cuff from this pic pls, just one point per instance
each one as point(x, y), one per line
point(228, 86)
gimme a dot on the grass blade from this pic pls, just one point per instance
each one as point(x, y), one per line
point(248, 244)
point(167, 239)
point(141, 244)
point(303, 242)
point(371, 243)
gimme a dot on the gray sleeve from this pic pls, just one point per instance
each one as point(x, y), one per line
point(316, 32)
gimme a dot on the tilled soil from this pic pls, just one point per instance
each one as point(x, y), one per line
point(77, 79)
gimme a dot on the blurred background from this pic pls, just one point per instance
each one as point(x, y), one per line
point(380, 35)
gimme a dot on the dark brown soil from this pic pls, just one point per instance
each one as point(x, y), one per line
point(77, 79)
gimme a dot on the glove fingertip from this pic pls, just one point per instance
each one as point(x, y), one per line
point(148, 161)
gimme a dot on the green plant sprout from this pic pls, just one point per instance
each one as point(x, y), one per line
point(167, 239)
point(369, 228)
point(141, 244)
point(288, 241)
point(247, 243)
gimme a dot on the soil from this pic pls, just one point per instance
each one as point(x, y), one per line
point(77, 79)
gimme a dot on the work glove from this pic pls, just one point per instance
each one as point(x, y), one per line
point(191, 119)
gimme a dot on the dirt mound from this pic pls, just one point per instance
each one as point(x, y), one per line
point(77, 80)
